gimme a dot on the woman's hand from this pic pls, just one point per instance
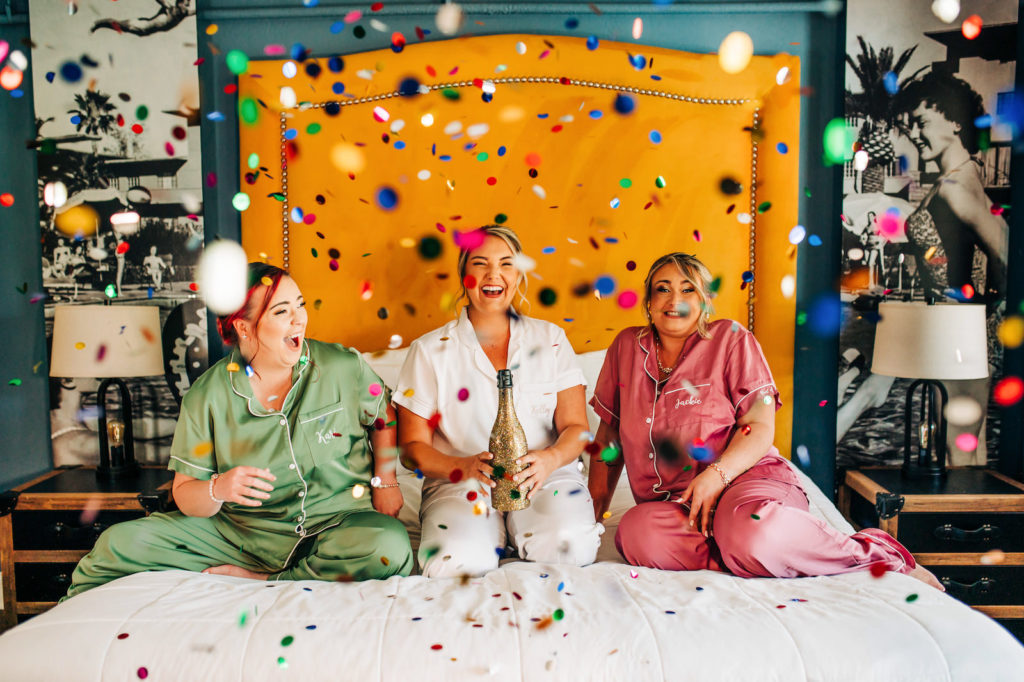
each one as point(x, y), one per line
point(702, 494)
point(478, 469)
point(388, 500)
point(244, 485)
point(602, 500)
point(538, 465)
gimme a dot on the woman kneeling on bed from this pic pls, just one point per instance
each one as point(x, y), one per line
point(272, 460)
point(693, 403)
point(452, 372)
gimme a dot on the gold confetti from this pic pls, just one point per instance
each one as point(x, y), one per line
point(1011, 331)
point(995, 556)
point(479, 508)
point(233, 367)
point(203, 449)
point(384, 560)
point(606, 515)
point(930, 252)
point(79, 346)
point(408, 392)
point(266, 281)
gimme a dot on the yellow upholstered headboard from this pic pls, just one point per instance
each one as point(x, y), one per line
point(362, 171)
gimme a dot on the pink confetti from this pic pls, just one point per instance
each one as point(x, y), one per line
point(468, 240)
point(463, 394)
point(544, 54)
point(633, 574)
point(354, 15)
point(274, 50)
point(375, 389)
point(627, 299)
point(967, 442)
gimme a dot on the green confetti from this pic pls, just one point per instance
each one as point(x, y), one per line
point(278, 197)
point(807, 192)
point(687, 467)
point(609, 454)
point(500, 218)
point(248, 110)
point(497, 472)
point(716, 284)
point(911, 597)
point(625, 183)
point(392, 423)
point(659, 181)
point(514, 494)
point(801, 318)
point(281, 663)
point(242, 619)
point(764, 206)
point(254, 160)
point(110, 291)
point(288, 639)
point(237, 62)
point(441, 525)
point(313, 128)
point(482, 156)
point(14, 382)
point(755, 517)
point(142, 112)
point(451, 93)
point(559, 614)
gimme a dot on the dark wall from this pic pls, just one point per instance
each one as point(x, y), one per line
point(24, 409)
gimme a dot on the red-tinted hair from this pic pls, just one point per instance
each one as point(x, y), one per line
point(252, 310)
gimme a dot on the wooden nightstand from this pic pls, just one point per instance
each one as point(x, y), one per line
point(949, 526)
point(43, 531)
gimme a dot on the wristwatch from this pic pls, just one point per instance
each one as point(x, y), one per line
point(376, 482)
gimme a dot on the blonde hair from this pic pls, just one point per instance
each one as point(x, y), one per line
point(695, 271)
point(511, 239)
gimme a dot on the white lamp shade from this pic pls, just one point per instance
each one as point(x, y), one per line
point(106, 341)
point(941, 341)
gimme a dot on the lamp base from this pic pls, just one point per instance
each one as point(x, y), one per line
point(917, 472)
point(118, 472)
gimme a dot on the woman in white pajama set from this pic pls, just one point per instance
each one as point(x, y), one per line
point(451, 373)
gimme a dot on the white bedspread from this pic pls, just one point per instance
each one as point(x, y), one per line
point(523, 621)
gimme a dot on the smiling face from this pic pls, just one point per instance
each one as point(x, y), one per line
point(495, 276)
point(676, 304)
point(277, 339)
point(931, 132)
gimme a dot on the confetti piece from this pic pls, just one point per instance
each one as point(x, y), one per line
point(1008, 391)
point(755, 517)
point(281, 662)
point(627, 299)
point(449, 18)
point(14, 382)
point(142, 673)
point(638, 28)
point(735, 52)
point(878, 569)
point(838, 140)
point(967, 442)
point(1011, 331)
point(634, 574)
point(558, 614)
point(971, 28)
point(237, 62)
point(358, 490)
point(911, 597)
point(384, 560)
point(994, 556)
point(946, 10)
point(624, 104)
point(288, 639)
point(203, 449)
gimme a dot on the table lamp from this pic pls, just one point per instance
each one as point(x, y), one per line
point(929, 343)
point(109, 342)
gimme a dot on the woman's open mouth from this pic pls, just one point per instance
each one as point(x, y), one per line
point(492, 291)
point(293, 342)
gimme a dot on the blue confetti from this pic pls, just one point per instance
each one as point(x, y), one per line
point(215, 116)
point(18, 93)
point(76, 119)
point(399, 144)
point(824, 315)
point(611, 240)
point(561, 586)
point(486, 96)
point(592, 43)
point(548, 249)
point(596, 113)
point(311, 627)
point(638, 61)
point(984, 121)
point(445, 157)
point(338, 88)
point(337, 27)
point(655, 77)
point(501, 150)
point(298, 51)
point(571, 23)
point(814, 240)
point(891, 82)
point(249, 371)
point(543, 575)
point(782, 148)
point(291, 134)
point(624, 104)
point(604, 285)
point(655, 137)
point(387, 198)
point(614, 203)
point(297, 214)
point(409, 87)
point(543, 115)
point(419, 474)
point(748, 276)
point(71, 72)
point(336, 64)
point(50, 75)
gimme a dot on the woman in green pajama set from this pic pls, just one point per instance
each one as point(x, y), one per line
point(275, 477)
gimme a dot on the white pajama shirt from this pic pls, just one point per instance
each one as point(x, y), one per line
point(461, 535)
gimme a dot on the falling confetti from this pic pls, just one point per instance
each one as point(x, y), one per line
point(735, 52)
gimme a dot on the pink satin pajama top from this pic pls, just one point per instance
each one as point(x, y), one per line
point(667, 441)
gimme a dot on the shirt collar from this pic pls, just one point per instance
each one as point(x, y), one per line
point(242, 387)
point(466, 335)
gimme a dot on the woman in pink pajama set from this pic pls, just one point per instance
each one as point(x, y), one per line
point(693, 404)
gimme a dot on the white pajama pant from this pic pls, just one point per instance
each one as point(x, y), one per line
point(558, 527)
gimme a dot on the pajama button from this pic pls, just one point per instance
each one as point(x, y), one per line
point(650, 455)
point(284, 422)
point(302, 493)
point(291, 466)
point(648, 420)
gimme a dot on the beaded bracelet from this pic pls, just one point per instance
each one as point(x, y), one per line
point(725, 479)
point(212, 496)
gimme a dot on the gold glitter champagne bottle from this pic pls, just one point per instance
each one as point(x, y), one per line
point(508, 444)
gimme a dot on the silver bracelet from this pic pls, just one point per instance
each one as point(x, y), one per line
point(212, 496)
point(725, 479)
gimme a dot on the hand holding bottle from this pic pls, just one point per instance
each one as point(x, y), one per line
point(537, 466)
point(478, 468)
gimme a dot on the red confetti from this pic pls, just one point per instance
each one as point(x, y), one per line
point(478, 83)
point(532, 159)
point(178, 133)
point(995, 209)
point(492, 180)
point(434, 420)
point(878, 570)
point(419, 33)
point(120, 121)
point(6, 199)
point(1008, 391)
point(379, 424)
point(971, 27)
point(968, 291)
point(592, 448)
point(193, 286)
point(557, 128)
point(123, 635)
point(169, 148)
point(397, 39)
point(781, 606)
point(696, 236)
point(455, 476)
point(309, 218)
point(230, 89)
point(431, 70)
point(436, 647)
point(746, 429)
point(146, 334)
point(469, 281)
point(199, 61)
point(100, 354)
point(142, 673)
point(122, 248)
point(136, 128)
point(471, 495)
point(377, 6)
point(565, 80)
point(823, 403)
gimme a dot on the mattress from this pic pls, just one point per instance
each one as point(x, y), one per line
point(523, 621)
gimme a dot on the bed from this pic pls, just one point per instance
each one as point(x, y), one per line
point(523, 621)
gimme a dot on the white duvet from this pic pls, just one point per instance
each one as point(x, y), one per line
point(523, 621)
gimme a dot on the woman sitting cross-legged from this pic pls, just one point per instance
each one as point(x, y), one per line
point(693, 403)
point(272, 458)
point(448, 399)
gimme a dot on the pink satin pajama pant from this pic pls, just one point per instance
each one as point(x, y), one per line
point(784, 541)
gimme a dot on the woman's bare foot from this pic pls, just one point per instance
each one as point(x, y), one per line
point(927, 577)
point(239, 572)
